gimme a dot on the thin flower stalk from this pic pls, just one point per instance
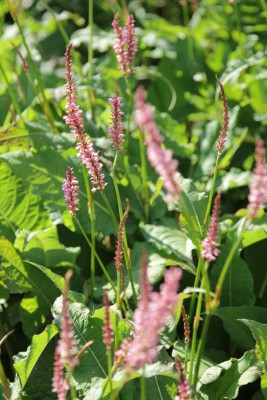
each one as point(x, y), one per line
point(66, 350)
point(119, 247)
point(70, 188)
point(125, 45)
point(116, 128)
point(159, 158)
point(85, 146)
point(210, 245)
point(258, 187)
point(149, 318)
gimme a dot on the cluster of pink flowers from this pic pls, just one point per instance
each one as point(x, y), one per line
point(149, 318)
point(65, 354)
point(126, 45)
point(107, 329)
point(73, 118)
point(159, 158)
point(258, 186)
point(116, 129)
point(210, 245)
point(70, 188)
point(184, 389)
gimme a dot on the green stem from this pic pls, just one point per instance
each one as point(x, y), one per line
point(227, 264)
point(109, 360)
point(125, 246)
point(118, 301)
point(197, 279)
point(144, 174)
point(90, 42)
point(211, 193)
point(194, 338)
point(57, 21)
point(143, 387)
point(97, 257)
point(11, 93)
point(45, 104)
point(201, 346)
point(91, 212)
point(128, 126)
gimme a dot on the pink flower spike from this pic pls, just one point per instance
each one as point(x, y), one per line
point(210, 250)
point(116, 129)
point(107, 329)
point(184, 389)
point(225, 125)
point(160, 159)
point(70, 188)
point(149, 318)
point(258, 187)
point(66, 350)
point(85, 146)
point(126, 45)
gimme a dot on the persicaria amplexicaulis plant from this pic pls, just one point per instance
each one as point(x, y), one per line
point(184, 390)
point(85, 146)
point(107, 329)
point(225, 124)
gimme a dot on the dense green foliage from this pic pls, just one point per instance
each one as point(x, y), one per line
point(181, 49)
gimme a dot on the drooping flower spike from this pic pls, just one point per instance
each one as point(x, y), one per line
point(160, 158)
point(126, 45)
point(149, 318)
point(258, 187)
point(210, 245)
point(70, 188)
point(85, 146)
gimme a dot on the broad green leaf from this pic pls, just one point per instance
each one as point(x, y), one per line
point(192, 205)
point(12, 271)
point(19, 206)
point(223, 381)
point(25, 367)
point(93, 362)
point(58, 282)
point(238, 332)
point(256, 231)
point(259, 332)
point(171, 242)
point(44, 248)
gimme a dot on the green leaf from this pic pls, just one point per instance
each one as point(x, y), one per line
point(45, 248)
point(93, 362)
point(25, 367)
point(256, 231)
point(223, 381)
point(238, 332)
point(193, 205)
point(12, 271)
point(172, 242)
point(19, 206)
point(259, 332)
